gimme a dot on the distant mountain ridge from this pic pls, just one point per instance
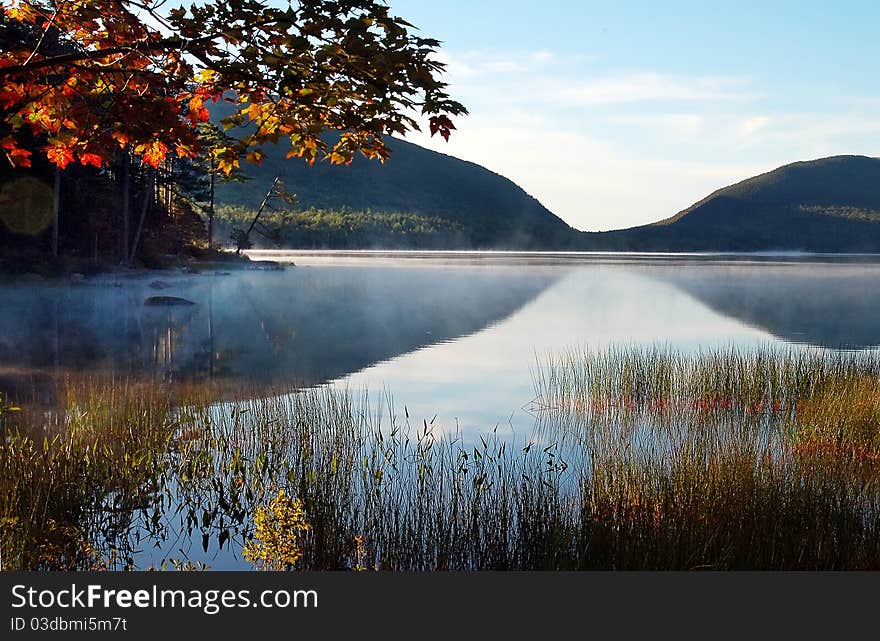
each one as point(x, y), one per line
point(491, 211)
point(826, 205)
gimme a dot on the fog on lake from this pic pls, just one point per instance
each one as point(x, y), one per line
point(451, 335)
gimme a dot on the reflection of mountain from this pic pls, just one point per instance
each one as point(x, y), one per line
point(836, 306)
point(304, 325)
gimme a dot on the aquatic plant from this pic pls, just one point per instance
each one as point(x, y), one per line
point(641, 459)
point(278, 527)
point(764, 380)
point(72, 476)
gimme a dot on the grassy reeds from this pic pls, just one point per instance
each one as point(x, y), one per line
point(643, 459)
point(749, 381)
point(728, 458)
point(70, 474)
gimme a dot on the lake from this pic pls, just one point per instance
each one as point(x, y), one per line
point(454, 335)
point(451, 338)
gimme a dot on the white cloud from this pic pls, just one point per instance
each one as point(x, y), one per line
point(627, 148)
point(651, 87)
point(752, 125)
point(501, 66)
point(480, 64)
point(679, 124)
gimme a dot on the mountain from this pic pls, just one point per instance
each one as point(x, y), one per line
point(826, 205)
point(486, 209)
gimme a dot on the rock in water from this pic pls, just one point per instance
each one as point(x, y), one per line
point(158, 284)
point(166, 301)
point(268, 265)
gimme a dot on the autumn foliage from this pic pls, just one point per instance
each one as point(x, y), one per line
point(84, 78)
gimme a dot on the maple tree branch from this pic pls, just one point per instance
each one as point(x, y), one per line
point(49, 23)
point(154, 47)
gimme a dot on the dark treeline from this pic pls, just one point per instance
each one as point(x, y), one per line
point(82, 217)
point(345, 228)
point(126, 214)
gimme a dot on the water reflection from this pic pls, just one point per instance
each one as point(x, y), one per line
point(485, 379)
point(454, 341)
point(299, 326)
point(822, 305)
point(415, 326)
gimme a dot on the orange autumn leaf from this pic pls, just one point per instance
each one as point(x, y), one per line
point(60, 155)
point(153, 153)
point(113, 71)
point(10, 95)
point(121, 137)
point(91, 159)
point(197, 111)
point(19, 157)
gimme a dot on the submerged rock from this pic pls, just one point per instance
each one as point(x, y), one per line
point(167, 301)
point(269, 265)
point(158, 284)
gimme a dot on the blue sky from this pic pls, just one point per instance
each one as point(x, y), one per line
point(617, 114)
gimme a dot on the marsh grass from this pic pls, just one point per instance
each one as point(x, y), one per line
point(842, 420)
point(641, 459)
point(726, 458)
point(376, 493)
point(79, 470)
point(795, 384)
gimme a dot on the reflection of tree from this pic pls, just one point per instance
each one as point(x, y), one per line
point(275, 328)
point(166, 328)
point(305, 325)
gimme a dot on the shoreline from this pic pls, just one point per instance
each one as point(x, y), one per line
point(74, 270)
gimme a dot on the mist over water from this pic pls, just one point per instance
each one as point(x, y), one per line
point(449, 336)
point(446, 340)
point(834, 306)
point(298, 327)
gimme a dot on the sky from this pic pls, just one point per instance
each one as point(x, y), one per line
point(615, 114)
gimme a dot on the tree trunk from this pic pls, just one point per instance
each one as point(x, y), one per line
point(211, 208)
point(145, 207)
point(169, 192)
point(55, 205)
point(126, 197)
point(262, 206)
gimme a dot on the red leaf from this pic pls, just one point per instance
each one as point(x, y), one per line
point(154, 152)
point(59, 155)
point(10, 95)
point(442, 125)
point(91, 159)
point(19, 157)
point(197, 111)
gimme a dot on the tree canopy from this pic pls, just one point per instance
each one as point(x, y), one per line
point(84, 78)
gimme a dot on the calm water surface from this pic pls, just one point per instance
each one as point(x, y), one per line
point(450, 336)
point(456, 335)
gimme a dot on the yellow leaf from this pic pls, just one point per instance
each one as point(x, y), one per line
point(253, 110)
